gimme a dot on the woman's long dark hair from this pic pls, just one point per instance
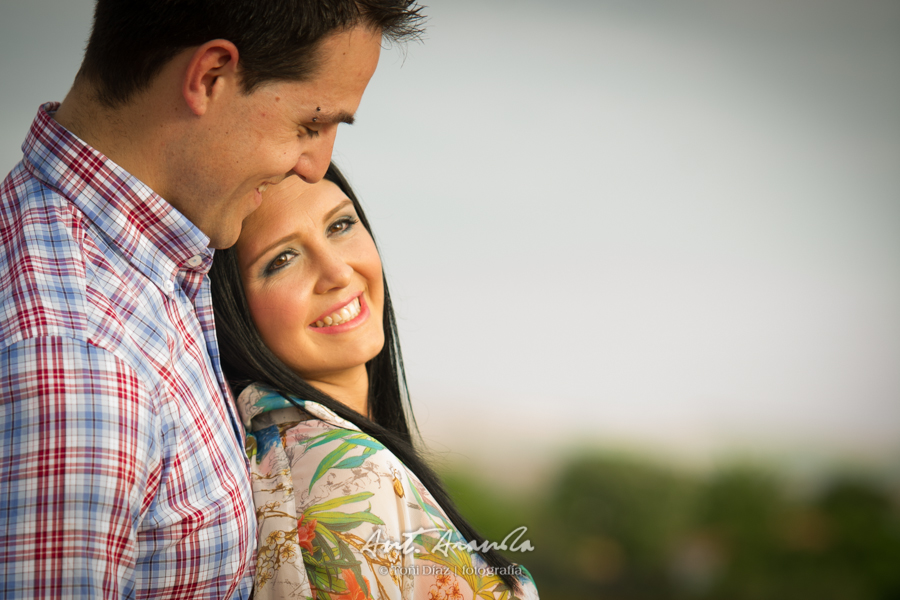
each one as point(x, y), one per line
point(246, 359)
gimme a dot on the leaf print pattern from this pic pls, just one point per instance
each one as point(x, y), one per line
point(341, 518)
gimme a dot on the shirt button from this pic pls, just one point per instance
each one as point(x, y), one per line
point(195, 261)
point(169, 287)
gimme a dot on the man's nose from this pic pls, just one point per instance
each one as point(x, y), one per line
point(313, 163)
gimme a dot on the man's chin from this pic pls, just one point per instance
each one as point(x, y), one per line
point(224, 239)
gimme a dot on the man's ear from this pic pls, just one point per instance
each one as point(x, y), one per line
point(212, 68)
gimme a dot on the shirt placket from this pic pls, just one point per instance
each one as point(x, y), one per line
point(199, 303)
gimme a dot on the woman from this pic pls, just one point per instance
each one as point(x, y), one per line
point(347, 509)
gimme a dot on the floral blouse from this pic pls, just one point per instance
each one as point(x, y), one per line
point(341, 518)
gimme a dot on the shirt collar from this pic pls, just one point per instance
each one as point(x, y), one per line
point(149, 232)
point(258, 398)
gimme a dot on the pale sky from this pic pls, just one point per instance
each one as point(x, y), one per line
point(672, 225)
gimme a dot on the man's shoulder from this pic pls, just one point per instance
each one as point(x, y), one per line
point(58, 276)
point(41, 270)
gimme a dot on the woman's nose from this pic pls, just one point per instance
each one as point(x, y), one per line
point(333, 272)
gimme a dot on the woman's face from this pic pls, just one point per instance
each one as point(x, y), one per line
point(313, 280)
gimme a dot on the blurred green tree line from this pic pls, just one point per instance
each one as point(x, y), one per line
point(618, 528)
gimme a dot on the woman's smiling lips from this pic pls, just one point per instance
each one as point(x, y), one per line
point(342, 317)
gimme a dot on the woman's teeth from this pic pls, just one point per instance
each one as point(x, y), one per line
point(348, 313)
point(262, 188)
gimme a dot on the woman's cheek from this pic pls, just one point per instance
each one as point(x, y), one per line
point(276, 314)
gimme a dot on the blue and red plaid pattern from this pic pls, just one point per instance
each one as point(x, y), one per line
point(122, 471)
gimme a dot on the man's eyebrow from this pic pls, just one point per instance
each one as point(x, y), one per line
point(338, 117)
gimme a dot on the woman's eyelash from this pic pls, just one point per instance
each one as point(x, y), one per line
point(345, 223)
point(280, 261)
point(310, 133)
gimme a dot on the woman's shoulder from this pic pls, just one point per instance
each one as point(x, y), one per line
point(257, 401)
point(326, 455)
point(328, 460)
point(362, 521)
point(366, 520)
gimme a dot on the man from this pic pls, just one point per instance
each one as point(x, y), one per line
point(122, 472)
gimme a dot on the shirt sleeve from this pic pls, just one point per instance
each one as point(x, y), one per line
point(77, 456)
point(341, 514)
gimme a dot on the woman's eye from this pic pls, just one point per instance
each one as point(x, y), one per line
point(279, 261)
point(342, 225)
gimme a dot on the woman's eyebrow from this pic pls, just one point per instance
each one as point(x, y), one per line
point(336, 209)
point(267, 249)
point(290, 236)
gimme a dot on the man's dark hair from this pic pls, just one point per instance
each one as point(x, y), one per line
point(131, 40)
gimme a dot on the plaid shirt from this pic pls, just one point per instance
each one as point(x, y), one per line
point(122, 472)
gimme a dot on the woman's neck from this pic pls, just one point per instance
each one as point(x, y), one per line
point(350, 387)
